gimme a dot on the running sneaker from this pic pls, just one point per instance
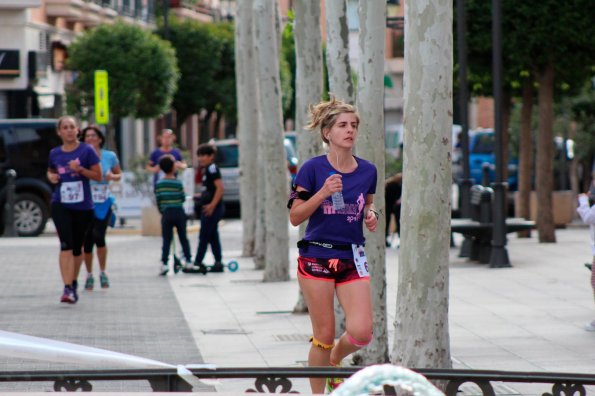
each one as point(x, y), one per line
point(164, 269)
point(194, 269)
point(217, 267)
point(103, 280)
point(177, 265)
point(75, 287)
point(333, 383)
point(68, 296)
point(90, 282)
point(590, 326)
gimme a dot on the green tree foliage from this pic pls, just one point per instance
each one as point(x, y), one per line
point(583, 112)
point(142, 69)
point(223, 99)
point(534, 33)
point(204, 53)
point(287, 69)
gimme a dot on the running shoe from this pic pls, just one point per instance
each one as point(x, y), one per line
point(103, 280)
point(68, 296)
point(333, 383)
point(90, 282)
point(177, 265)
point(75, 286)
point(217, 267)
point(195, 269)
point(164, 270)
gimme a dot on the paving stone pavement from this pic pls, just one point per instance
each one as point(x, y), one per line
point(138, 315)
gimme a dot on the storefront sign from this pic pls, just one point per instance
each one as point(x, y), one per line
point(101, 97)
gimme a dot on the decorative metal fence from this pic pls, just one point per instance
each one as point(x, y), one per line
point(279, 379)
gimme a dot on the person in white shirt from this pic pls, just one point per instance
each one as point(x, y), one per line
point(586, 211)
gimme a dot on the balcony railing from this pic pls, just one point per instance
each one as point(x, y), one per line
point(278, 379)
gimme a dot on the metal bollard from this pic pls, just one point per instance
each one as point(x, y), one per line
point(485, 173)
point(9, 229)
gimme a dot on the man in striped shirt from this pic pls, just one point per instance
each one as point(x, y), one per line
point(169, 192)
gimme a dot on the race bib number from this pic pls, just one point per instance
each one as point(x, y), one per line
point(72, 192)
point(361, 262)
point(99, 192)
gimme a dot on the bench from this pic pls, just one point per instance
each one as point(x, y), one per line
point(478, 229)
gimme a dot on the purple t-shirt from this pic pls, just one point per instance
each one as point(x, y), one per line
point(343, 226)
point(156, 156)
point(73, 190)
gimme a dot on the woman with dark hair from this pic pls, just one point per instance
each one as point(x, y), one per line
point(103, 201)
point(71, 166)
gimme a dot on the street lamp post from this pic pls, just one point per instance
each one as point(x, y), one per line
point(499, 255)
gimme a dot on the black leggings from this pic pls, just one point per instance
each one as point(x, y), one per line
point(72, 226)
point(96, 234)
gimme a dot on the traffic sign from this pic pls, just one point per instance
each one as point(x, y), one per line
point(101, 97)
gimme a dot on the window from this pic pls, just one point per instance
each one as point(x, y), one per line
point(227, 156)
point(484, 144)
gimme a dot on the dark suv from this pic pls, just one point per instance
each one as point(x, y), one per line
point(25, 145)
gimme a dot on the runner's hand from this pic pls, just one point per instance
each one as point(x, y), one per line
point(371, 221)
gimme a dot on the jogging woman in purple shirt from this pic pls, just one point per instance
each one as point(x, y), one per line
point(331, 255)
point(70, 168)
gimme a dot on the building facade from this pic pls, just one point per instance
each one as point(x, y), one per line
point(34, 40)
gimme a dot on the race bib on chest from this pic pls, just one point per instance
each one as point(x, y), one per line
point(360, 260)
point(99, 192)
point(72, 192)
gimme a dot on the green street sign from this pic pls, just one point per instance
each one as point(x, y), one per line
point(101, 97)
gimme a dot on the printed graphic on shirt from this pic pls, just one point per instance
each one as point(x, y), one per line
point(62, 170)
point(353, 211)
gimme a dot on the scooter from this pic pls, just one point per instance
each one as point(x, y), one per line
point(232, 266)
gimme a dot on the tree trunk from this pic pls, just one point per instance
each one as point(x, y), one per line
point(337, 51)
point(340, 83)
point(370, 145)
point(276, 181)
point(421, 324)
point(247, 122)
point(259, 231)
point(308, 87)
point(525, 156)
point(545, 153)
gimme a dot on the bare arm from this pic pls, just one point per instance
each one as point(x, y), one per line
point(93, 173)
point(302, 210)
point(53, 176)
point(114, 174)
point(209, 208)
point(153, 168)
point(181, 165)
point(371, 219)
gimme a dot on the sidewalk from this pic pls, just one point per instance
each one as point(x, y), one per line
point(526, 318)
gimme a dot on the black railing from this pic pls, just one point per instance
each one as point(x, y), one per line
point(278, 379)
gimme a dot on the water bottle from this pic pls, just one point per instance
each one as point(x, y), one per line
point(337, 198)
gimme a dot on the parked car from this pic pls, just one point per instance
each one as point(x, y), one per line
point(481, 151)
point(227, 159)
point(25, 145)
